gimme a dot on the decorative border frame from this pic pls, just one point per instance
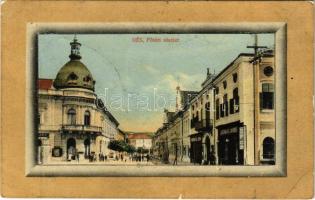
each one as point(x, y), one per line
point(279, 169)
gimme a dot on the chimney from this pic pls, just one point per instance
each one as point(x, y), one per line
point(208, 71)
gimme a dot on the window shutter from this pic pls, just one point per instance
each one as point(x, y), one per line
point(261, 100)
point(231, 106)
point(272, 100)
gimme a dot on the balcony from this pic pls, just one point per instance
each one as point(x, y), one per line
point(80, 127)
point(203, 125)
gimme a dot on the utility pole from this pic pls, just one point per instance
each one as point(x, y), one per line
point(255, 46)
point(256, 84)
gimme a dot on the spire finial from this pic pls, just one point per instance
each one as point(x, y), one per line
point(75, 49)
point(177, 87)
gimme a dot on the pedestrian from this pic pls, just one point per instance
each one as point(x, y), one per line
point(94, 157)
point(78, 157)
point(175, 160)
point(148, 157)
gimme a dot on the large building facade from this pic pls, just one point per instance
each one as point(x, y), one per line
point(230, 121)
point(72, 123)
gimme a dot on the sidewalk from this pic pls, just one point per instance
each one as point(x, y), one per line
point(179, 163)
point(108, 162)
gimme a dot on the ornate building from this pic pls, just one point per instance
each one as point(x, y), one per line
point(72, 122)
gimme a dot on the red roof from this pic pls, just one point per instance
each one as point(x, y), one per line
point(45, 84)
point(139, 136)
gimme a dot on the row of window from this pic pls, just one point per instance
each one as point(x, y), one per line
point(223, 109)
point(73, 77)
point(201, 102)
point(72, 117)
point(266, 99)
point(225, 83)
point(232, 106)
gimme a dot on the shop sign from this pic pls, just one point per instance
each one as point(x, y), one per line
point(45, 135)
point(228, 131)
point(196, 139)
point(241, 137)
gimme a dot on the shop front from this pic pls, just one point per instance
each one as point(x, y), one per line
point(231, 144)
point(196, 148)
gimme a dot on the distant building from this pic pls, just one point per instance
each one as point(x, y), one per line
point(171, 142)
point(72, 123)
point(140, 140)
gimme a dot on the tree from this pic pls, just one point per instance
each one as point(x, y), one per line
point(142, 150)
point(121, 145)
point(116, 145)
point(130, 149)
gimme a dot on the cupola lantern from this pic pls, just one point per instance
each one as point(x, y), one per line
point(75, 49)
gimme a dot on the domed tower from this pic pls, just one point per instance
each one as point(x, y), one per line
point(74, 74)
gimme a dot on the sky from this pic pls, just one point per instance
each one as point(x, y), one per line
point(137, 74)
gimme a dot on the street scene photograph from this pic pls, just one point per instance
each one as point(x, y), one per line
point(155, 99)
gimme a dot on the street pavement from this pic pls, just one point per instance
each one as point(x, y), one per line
point(107, 162)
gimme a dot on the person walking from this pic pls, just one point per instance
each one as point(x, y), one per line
point(78, 157)
point(175, 160)
point(148, 157)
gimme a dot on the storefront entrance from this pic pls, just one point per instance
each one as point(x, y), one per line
point(196, 148)
point(71, 149)
point(229, 150)
point(208, 153)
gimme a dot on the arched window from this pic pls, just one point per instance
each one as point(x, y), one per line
point(235, 77)
point(71, 116)
point(217, 109)
point(268, 148)
point(87, 118)
point(234, 102)
point(72, 78)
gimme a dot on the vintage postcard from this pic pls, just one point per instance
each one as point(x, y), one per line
point(152, 99)
point(136, 101)
point(165, 101)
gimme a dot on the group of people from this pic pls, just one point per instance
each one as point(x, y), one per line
point(101, 157)
point(139, 157)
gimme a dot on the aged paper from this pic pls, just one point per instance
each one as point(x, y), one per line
point(252, 131)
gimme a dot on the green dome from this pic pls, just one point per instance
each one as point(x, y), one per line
point(74, 74)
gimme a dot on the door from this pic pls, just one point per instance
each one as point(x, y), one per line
point(228, 149)
point(71, 149)
point(87, 144)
